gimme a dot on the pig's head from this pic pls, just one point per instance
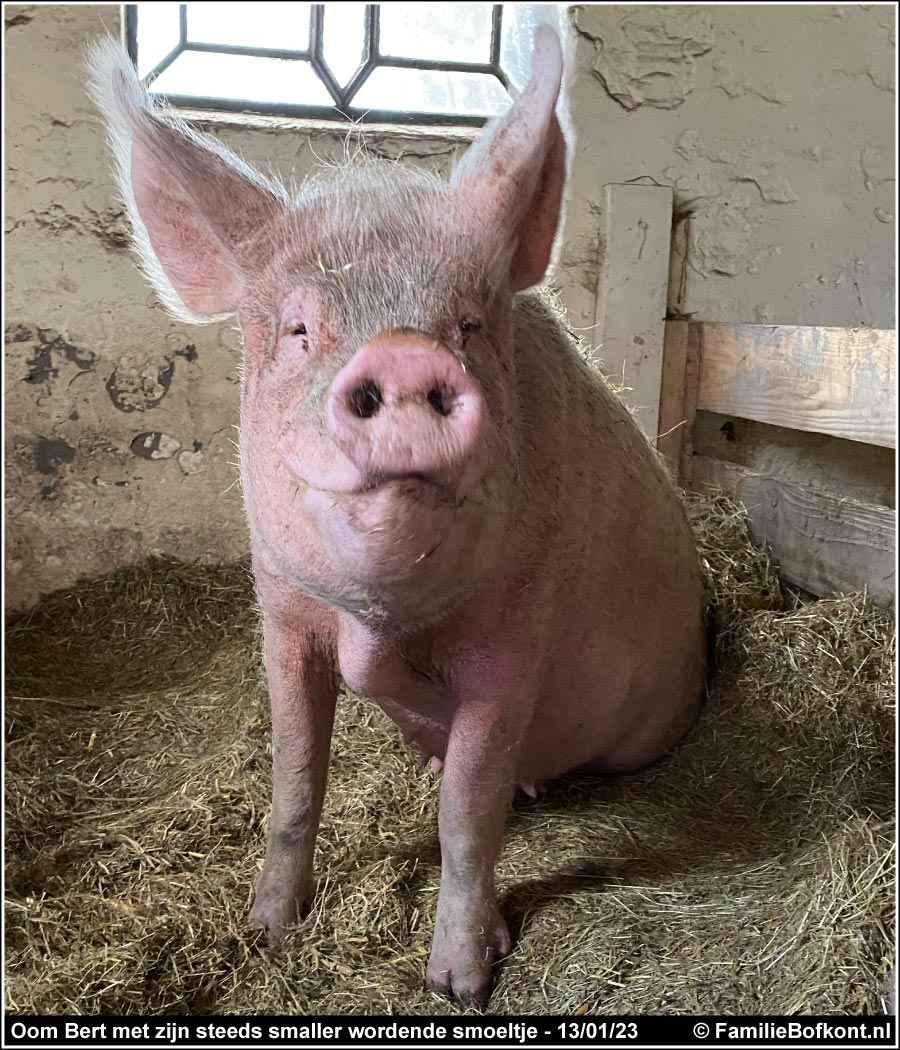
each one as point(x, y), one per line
point(381, 424)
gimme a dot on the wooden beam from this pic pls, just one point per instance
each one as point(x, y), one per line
point(691, 396)
point(821, 542)
point(673, 422)
point(839, 381)
point(678, 398)
point(631, 297)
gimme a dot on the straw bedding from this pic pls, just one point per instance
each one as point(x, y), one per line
point(749, 872)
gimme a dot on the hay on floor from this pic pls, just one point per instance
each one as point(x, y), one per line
point(750, 872)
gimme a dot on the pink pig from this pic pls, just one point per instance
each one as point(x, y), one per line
point(448, 509)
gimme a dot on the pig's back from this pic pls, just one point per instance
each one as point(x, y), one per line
point(616, 566)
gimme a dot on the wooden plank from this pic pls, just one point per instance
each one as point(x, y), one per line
point(839, 381)
point(672, 419)
point(691, 389)
point(678, 397)
point(631, 296)
point(822, 542)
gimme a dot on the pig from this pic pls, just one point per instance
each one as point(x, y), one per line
point(449, 510)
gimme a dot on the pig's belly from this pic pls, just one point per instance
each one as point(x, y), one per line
point(425, 726)
point(571, 728)
point(611, 706)
point(611, 725)
point(427, 729)
point(598, 704)
point(429, 734)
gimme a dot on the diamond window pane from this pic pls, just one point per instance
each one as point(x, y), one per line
point(344, 40)
point(432, 91)
point(158, 34)
point(207, 75)
point(249, 25)
point(408, 35)
point(452, 32)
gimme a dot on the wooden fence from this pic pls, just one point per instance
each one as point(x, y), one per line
point(836, 381)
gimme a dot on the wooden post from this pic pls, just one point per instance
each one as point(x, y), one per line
point(673, 423)
point(678, 397)
point(691, 394)
point(631, 298)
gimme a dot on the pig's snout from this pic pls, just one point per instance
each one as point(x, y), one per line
point(405, 405)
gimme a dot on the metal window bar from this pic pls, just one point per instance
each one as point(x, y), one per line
point(343, 108)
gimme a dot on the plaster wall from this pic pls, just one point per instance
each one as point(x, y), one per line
point(774, 125)
point(121, 424)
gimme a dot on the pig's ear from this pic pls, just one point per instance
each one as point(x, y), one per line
point(194, 206)
point(513, 176)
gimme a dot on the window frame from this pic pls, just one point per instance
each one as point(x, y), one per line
point(342, 112)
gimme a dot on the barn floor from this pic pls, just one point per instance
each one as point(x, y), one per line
point(751, 872)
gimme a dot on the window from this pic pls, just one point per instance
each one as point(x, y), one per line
point(398, 63)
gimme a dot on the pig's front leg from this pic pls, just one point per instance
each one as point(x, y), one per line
point(479, 780)
point(303, 691)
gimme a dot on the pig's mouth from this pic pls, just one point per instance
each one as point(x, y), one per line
point(417, 487)
point(392, 532)
point(399, 543)
point(399, 522)
point(403, 414)
point(393, 497)
point(412, 488)
point(321, 467)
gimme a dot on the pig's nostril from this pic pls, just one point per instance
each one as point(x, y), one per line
point(441, 400)
point(366, 399)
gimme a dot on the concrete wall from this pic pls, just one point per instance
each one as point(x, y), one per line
point(774, 124)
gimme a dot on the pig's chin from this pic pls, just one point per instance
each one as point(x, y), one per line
point(400, 538)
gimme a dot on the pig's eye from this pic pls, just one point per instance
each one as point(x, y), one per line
point(298, 329)
point(467, 326)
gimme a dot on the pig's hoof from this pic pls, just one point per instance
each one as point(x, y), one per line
point(275, 917)
point(277, 906)
point(462, 960)
point(533, 789)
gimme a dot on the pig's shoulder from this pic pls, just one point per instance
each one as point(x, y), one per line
point(539, 309)
point(540, 324)
point(539, 317)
